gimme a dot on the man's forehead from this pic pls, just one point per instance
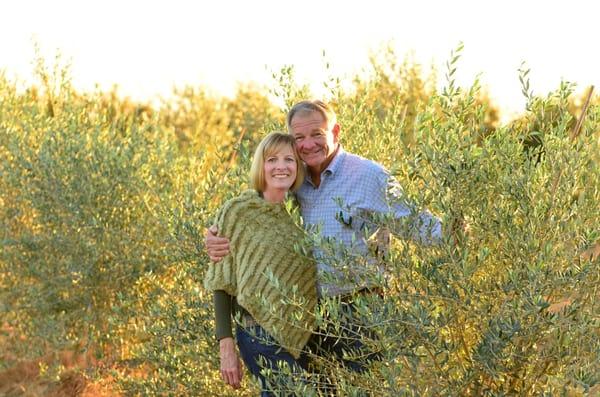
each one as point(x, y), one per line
point(313, 120)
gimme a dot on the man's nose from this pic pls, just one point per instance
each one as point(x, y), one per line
point(308, 143)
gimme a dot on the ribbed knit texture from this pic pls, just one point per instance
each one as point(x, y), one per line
point(276, 285)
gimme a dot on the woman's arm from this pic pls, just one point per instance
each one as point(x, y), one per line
point(223, 306)
point(231, 366)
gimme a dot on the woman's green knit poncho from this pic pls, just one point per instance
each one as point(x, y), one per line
point(275, 284)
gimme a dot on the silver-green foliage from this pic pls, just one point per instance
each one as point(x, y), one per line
point(102, 211)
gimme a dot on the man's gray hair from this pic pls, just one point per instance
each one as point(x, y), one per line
point(315, 105)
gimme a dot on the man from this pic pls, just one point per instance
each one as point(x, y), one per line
point(339, 197)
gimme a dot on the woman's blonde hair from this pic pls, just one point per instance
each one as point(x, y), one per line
point(271, 144)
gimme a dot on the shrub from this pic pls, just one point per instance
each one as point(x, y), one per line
point(104, 202)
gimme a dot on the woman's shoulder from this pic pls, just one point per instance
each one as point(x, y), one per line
point(247, 197)
point(238, 207)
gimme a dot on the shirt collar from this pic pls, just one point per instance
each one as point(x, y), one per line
point(331, 169)
point(336, 162)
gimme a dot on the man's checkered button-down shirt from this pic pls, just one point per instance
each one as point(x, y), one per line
point(352, 189)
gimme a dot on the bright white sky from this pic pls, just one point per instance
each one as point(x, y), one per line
point(147, 47)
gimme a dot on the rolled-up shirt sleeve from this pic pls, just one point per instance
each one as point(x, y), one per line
point(423, 227)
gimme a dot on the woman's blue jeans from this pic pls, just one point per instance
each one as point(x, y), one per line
point(260, 350)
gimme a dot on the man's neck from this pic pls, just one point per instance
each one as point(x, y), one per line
point(315, 176)
point(315, 172)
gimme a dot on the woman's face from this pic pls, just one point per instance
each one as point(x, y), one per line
point(280, 169)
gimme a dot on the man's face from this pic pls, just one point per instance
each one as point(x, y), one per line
point(315, 140)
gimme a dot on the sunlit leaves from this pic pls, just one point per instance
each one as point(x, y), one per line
point(103, 205)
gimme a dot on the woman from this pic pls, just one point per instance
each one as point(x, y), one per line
point(264, 281)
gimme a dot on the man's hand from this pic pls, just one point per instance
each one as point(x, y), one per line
point(231, 366)
point(216, 247)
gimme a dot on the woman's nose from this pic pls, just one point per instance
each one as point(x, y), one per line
point(281, 165)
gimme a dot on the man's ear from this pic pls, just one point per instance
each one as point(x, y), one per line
point(335, 130)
